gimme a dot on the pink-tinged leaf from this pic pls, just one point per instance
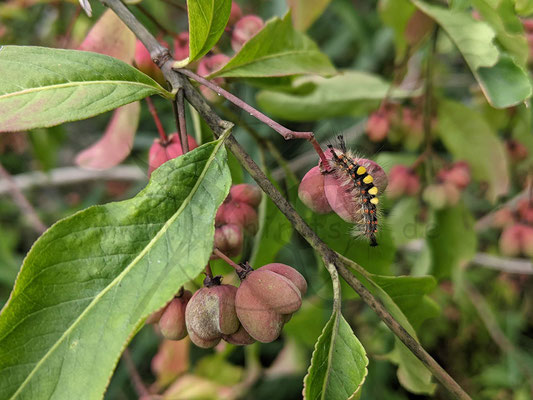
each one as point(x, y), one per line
point(115, 145)
point(111, 37)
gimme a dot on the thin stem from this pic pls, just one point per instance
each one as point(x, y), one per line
point(180, 103)
point(160, 129)
point(228, 260)
point(22, 202)
point(329, 256)
point(177, 121)
point(136, 379)
point(164, 61)
point(261, 141)
point(208, 271)
point(285, 132)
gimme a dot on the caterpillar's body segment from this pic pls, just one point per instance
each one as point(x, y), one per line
point(356, 179)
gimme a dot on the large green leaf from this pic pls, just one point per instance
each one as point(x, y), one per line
point(339, 362)
point(92, 278)
point(349, 93)
point(338, 367)
point(400, 295)
point(41, 87)
point(468, 136)
point(501, 16)
point(453, 229)
point(207, 20)
point(277, 50)
point(475, 40)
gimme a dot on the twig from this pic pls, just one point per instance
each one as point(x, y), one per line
point(70, 176)
point(510, 265)
point(329, 256)
point(180, 104)
point(285, 132)
point(136, 379)
point(262, 142)
point(208, 271)
point(218, 126)
point(22, 203)
point(228, 260)
point(177, 122)
point(160, 129)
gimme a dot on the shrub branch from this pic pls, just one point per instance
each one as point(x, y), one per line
point(162, 58)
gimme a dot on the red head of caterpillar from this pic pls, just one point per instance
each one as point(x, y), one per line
point(352, 186)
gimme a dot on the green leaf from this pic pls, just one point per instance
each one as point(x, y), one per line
point(305, 12)
point(504, 84)
point(468, 136)
point(277, 50)
point(90, 281)
point(452, 241)
point(473, 38)
point(207, 20)
point(339, 363)
point(42, 87)
point(524, 8)
point(349, 93)
point(412, 374)
point(494, 71)
point(500, 15)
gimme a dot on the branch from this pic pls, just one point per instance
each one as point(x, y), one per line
point(330, 257)
point(285, 132)
point(70, 176)
point(22, 202)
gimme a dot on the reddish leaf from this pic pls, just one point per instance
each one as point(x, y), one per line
point(111, 37)
point(115, 145)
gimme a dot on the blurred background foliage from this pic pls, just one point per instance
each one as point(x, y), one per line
point(475, 316)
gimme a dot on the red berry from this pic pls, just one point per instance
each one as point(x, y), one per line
point(525, 210)
point(266, 299)
point(458, 174)
point(244, 30)
point(245, 193)
point(311, 191)
point(229, 239)
point(377, 126)
point(240, 214)
point(235, 13)
point(511, 240)
point(207, 66)
point(210, 314)
point(160, 152)
point(172, 321)
point(402, 181)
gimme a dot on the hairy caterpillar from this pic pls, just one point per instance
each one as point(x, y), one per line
point(358, 183)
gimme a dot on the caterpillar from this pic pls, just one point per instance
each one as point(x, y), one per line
point(360, 184)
